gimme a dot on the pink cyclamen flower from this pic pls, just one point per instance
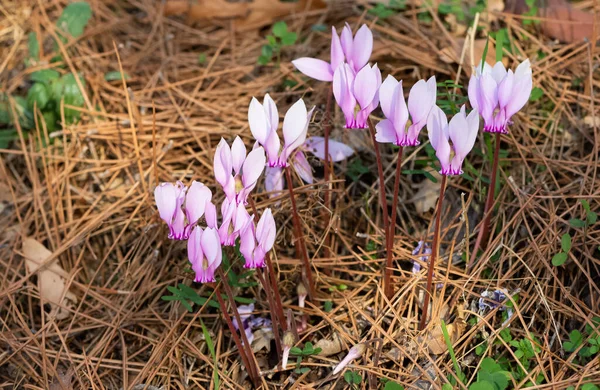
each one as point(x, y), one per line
point(256, 242)
point(420, 101)
point(264, 121)
point(236, 172)
point(350, 89)
point(355, 51)
point(169, 198)
point(197, 198)
point(462, 131)
point(355, 352)
point(204, 253)
point(338, 151)
point(499, 94)
point(234, 218)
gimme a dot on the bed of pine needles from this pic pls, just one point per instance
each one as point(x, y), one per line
point(86, 193)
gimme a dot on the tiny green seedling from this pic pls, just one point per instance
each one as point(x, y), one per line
point(281, 37)
point(352, 378)
point(561, 257)
point(308, 350)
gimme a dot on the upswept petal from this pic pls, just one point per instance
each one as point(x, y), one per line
point(222, 163)
point(386, 92)
point(458, 131)
point(165, 196)
point(211, 247)
point(253, 167)
point(248, 242)
point(258, 121)
point(347, 41)
point(399, 113)
point(337, 52)
point(362, 46)
point(420, 100)
point(196, 200)
point(274, 180)
point(437, 126)
point(505, 89)
point(238, 154)
point(521, 92)
point(271, 113)
point(474, 93)
point(365, 86)
point(266, 231)
point(314, 68)
point(498, 72)
point(295, 126)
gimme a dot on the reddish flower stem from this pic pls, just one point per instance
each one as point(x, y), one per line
point(271, 277)
point(275, 319)
point(434, 253)
point(234, 335)
point(484, 231)
point(382, 197)
point(388, 287)
point(327, 195)
point(252, 367)
point(301, 246)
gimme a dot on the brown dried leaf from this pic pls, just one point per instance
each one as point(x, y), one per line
point(50, 281)
point(427, 195)
point(592, 121)
point(262, 340)
point(248, 15)
point(330, 347)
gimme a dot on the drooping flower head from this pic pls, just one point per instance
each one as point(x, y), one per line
point(234, 218)
point(355, 51)
point(420, 101)
point(255, 242)
point(462, 131)
point(356, 93)
point(499, 94)
point(204, 253)
point(236, 172)
point(170, 198)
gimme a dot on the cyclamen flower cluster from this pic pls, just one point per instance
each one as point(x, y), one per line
point(494, 92)
point(237, 173)
point(499, 94)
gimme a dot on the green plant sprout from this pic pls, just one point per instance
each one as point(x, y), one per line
point(281, 37)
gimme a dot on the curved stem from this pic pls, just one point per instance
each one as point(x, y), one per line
point(301, 246)
point(434, 253)
point(275, 319)
point(487, 213)
point(388, 287)
point(382, 198)
point(326, 171)
point(253, 367)
point(234, 335)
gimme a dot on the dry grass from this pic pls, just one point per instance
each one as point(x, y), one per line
point(88, 197)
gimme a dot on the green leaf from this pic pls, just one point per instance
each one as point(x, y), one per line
point(393, 386)
point(565, 242)
point(201, 58)
point(211, 348)
point(302, 370)
point(289, 39)
point(591, 217)
point(186, 305)
point(115, 75)
point(585, 204)
point(356, 378)
point(446, 386)
point(576, 338)
point(272, 40)
point(499, 46)
point(320, 27)
point(482, 386)
point(38, 96)
point(49, 118)
point(44, 76)
point(348, 377)
point(72, 96)
point(576, 223)
point(536, 94)
point(327, 306)
point(33, 45)
point(295, 351)
point(589, 386)
point(485, 50)
point(74, 18)
point(280, 29)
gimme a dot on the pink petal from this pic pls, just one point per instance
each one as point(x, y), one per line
point(195, 201)
point(521, 90)
point(253, 167)
point(238, 154)
point(222, 163)
point(385, 132)
point(473, 91)
point(165, 196)
point(338, 151)
point(362, 47)
point(211, 247)
point(314, 68)
point(257, 119)
point(274, 180)
point(498, 72)
point(295, 126)
point(266, 231)
point(210, 215)
point(385, 95)
point(248, 243)
point(347, 41)
point(271, 113)
point(365, 86)
point(342, 91)
point(240, 218)
point(437, 126)
point(399, 112)
point(337, 52)
point(419, 102)
point(302, 167)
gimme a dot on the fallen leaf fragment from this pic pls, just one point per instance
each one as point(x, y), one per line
point(330, 347)
point(592, 121)
point(427, 195)
point(50, 282)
